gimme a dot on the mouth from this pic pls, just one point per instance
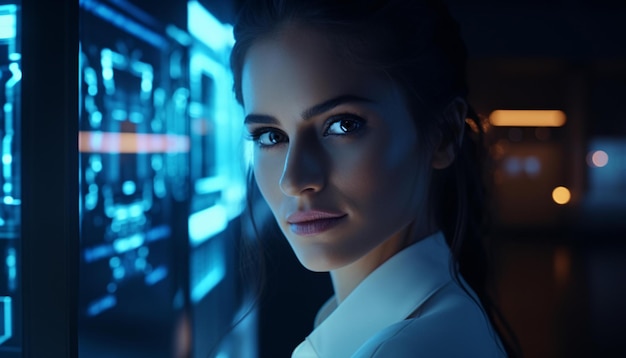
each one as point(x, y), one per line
point(308, 223)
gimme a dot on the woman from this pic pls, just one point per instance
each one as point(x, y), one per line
point(358, 114)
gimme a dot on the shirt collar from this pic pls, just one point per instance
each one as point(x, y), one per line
point(388, 295)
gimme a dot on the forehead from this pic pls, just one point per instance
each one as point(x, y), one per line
point(301, 67)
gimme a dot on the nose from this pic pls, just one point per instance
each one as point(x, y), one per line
point(305, 169)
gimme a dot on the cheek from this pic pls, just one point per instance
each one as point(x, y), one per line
point(268, 168)
point(384, 175)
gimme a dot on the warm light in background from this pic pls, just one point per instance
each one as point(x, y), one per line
point(598, 159)
point(527, 118)
point(561, 195)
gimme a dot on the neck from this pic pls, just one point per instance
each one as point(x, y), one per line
point(347, 278)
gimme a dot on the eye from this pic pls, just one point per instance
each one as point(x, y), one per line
point(268, 137)
point(344, 126)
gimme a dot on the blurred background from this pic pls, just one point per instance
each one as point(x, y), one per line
point(160, 170)
point(559, 180)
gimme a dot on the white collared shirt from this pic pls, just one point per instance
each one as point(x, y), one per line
point(410, 306)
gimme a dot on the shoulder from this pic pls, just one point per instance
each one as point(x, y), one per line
point(452, 326)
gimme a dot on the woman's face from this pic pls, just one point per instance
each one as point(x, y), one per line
point(336, 152)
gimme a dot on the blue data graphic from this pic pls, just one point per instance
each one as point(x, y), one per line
point(217, 190)
point(161, 180)
point(10, 208)
point(133, 146)
point(218, 182)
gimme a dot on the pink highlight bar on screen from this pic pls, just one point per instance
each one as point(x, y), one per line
point(131, 143)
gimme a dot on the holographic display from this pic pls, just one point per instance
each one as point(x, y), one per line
point(10, 197)
point(131, 148)
point(161, 179)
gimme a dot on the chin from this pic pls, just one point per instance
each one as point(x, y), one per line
point(318, 265)
point(317, 260)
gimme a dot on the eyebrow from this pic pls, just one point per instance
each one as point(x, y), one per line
point(310, 112)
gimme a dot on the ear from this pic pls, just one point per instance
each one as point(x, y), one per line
point(452, 130)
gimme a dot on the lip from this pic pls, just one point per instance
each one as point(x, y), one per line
point(312, 222)
point(312, 215)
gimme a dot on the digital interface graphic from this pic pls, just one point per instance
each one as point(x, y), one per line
point(126, 146)
point(10, 203)
point(161, 175)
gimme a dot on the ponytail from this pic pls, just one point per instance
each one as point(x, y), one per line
point(463, 192)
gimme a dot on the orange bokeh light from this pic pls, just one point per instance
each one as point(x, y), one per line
point(561, 195)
